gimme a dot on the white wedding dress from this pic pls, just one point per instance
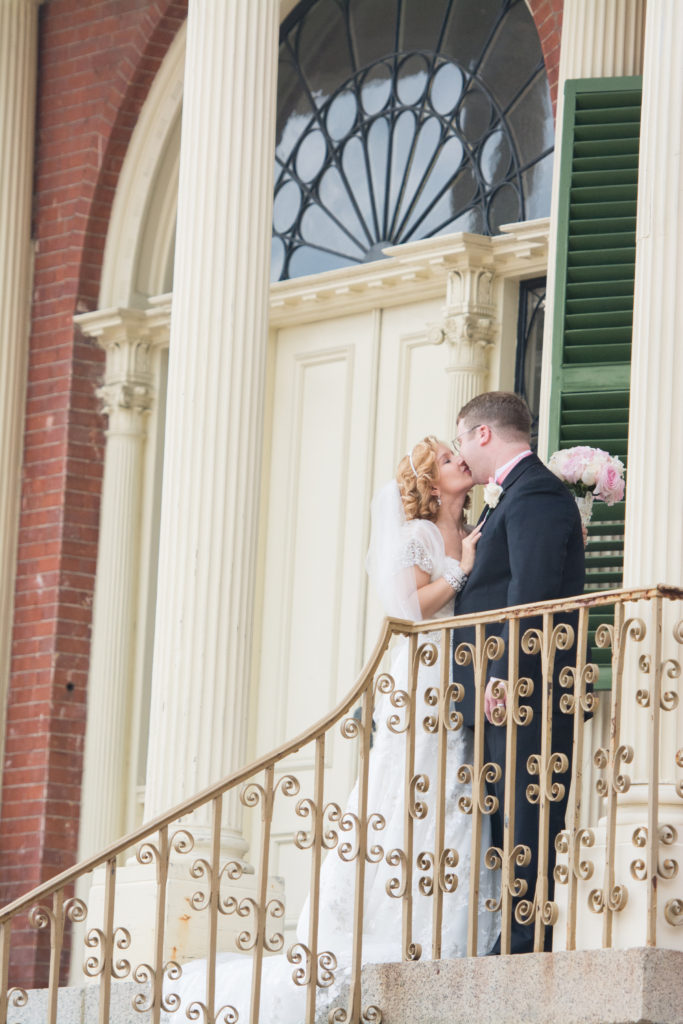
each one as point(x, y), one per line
point(283, 1002)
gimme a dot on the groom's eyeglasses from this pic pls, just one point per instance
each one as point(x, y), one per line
point(456, 440)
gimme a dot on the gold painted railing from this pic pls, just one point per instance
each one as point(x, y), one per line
point(617, 863)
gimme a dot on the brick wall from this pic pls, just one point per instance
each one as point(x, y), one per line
point(96, 63)
point(548, 17)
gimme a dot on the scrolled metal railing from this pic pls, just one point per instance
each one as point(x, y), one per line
point(390, 850)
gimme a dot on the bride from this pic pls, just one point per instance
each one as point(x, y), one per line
point(420, 554)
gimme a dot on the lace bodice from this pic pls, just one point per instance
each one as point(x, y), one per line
point(423, 546)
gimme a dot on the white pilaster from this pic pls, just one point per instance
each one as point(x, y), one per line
point(469, 321)
point(653, 544)
point(203, 638)
point(18, 69)
point(468, 327)
point(601, 39)
point(126, 399)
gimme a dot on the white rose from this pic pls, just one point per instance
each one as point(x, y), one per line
point(492, 493)
point(590, 474)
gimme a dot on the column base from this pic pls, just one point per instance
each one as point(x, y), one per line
point(629, 924)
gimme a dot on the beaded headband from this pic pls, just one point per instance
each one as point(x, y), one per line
point(412, 464)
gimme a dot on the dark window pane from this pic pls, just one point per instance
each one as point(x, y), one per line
point(470, 24)
point(537, 183)
point(422, 25)
point(512, 57)
point(495, 158)
point(532, 135)
point(322, 49)
point(530, 347)
point(476, 115)
point(373, 29)
point(504, 208)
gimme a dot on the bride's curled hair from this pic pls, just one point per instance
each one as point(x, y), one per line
point(417, 480)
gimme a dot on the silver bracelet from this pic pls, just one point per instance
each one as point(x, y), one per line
point(456, 579)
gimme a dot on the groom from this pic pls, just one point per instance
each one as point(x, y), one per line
point(531, 549)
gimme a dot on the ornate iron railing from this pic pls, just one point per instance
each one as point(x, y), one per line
point(420, 765)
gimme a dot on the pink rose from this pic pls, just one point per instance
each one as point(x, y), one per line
point(609, 485)
point(573, 465)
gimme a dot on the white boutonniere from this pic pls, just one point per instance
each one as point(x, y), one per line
point(492, 493)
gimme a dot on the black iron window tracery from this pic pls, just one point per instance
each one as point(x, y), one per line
point(400, 120)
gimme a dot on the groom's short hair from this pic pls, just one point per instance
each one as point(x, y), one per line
point(505, 411)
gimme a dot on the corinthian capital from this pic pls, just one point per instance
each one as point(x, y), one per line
point(129, 395)
point(125, 336)
point(469, 316)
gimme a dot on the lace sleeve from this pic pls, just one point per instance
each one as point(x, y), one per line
point(415, 553)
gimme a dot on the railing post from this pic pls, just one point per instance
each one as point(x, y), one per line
point(440, 803)
point(509, 887)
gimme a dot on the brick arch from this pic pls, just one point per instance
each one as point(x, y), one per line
point(128, 93)
point(547, 15)
point(97, 62)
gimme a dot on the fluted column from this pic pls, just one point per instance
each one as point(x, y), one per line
point(653, 543)
point(653, 546)
point(18, 70)
point(599, 40)
point(203, 635)
point(126, 399)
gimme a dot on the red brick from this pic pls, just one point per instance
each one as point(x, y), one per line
point(97, 62)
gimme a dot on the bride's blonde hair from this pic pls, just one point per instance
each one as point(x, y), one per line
point(416, 475)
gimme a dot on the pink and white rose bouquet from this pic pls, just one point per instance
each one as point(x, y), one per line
point(589, 473)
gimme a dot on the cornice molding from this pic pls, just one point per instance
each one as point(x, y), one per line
point(411, 272)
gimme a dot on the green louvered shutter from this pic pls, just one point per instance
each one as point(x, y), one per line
point(593, 311)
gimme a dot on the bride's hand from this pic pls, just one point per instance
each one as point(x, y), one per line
point(469, 546)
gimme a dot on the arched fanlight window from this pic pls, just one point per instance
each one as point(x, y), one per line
point(405, 119)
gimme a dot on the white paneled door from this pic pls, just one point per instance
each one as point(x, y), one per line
point(351, 394)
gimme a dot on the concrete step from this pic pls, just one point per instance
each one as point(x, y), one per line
point(630, 986)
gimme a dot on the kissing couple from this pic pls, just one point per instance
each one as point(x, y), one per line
point(426, 562)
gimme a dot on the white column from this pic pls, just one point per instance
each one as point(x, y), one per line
point(18, 67)
point(653, 536)
point(653, 545)
point(203, 637)
point(601, 39)
point(126, 399)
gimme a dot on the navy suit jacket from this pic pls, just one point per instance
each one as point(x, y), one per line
point(531, 549)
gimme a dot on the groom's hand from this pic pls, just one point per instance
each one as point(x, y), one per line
point(495, 700)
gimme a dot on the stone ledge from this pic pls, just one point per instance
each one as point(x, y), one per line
point(602, 986)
